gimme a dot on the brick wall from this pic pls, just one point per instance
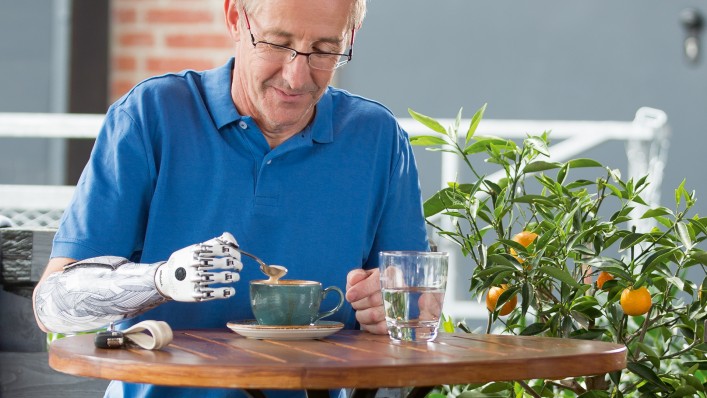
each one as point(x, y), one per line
point(151, 37)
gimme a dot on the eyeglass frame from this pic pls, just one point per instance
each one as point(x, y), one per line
point(295, 53)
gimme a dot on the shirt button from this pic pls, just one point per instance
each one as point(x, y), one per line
point(243, 125)
point(269, 161)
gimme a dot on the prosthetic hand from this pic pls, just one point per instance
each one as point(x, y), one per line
point(188, 274)
point(90, 294)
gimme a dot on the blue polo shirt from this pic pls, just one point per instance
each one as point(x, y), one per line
point(175, 164)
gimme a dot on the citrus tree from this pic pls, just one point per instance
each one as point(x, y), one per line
point(557, 256)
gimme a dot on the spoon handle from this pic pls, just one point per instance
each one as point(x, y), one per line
point(263, 266)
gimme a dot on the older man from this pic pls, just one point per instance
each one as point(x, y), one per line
point(303, 174)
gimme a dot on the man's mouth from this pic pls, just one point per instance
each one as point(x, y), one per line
point(289, 94)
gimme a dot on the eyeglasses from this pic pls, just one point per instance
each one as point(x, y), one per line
point(282, 54)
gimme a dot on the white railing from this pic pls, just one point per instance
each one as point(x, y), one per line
point(646, 140)
point(42, 205)
point(50, 125)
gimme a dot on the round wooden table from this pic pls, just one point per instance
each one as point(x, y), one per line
point(347, 359)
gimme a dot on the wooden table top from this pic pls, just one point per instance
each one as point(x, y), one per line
point(221, 358)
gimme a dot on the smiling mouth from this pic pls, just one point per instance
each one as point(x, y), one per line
point(289, 94)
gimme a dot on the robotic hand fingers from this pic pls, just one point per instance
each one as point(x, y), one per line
point(222, 246)
point(225, 263)
point(188, 274)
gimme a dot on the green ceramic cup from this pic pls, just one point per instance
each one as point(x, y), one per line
point(290, 302)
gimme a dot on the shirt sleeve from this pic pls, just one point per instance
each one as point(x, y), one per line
point(108, 212)
point(402, 225)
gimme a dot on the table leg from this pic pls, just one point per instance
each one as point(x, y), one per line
point(254, 393)
point(364, 392)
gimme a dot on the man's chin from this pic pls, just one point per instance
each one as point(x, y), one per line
point(289, 116)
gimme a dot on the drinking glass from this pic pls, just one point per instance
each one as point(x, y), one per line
point(413, 285)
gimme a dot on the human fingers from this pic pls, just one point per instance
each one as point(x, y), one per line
point(430, 306)
point(372, 320)
point(355, 276)
point(362, 284)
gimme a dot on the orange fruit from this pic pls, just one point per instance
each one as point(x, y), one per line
point(525, 238)
point(603, 277)
point(492, 298)
point(635, 301)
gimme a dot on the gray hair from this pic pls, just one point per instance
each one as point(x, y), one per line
point(358, 10)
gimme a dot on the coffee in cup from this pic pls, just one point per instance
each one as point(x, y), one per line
point(290, 302)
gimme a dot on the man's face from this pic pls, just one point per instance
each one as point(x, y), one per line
point(281, 97)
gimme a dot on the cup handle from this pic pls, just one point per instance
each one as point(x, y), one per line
point(333, 310)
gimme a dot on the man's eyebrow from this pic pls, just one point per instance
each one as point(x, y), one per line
point(287, 35)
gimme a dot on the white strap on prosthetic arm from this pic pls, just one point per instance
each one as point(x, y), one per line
point(158, 335)
point(90, 294)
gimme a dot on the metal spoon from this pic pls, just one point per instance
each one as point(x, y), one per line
point(274, 272)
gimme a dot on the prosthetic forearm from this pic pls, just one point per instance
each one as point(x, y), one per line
point(90, 294)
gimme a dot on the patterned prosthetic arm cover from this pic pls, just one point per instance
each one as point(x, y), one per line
point(90, 294)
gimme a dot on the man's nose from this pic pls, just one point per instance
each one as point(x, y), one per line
point(297, 72)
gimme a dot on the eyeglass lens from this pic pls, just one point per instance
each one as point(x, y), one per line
point(275, 53)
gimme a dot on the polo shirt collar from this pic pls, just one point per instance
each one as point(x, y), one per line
point(217, 95)
point(323, 126)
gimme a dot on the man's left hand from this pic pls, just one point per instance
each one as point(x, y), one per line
point(363, 291)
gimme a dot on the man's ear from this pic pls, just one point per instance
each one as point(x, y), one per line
point(232, 14)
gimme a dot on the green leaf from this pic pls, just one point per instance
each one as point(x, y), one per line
point(541, 165)
point(631, 240)
point(583, 250)
point(483, 142)
point(698, 225)
point(497, 387)
point(538, 144)
point(650, 354)
point(593, 394)
point(684, 235)
point(437, 203)
point(615, 377)
point(657, 212)
point(535, 199)
point(501, 260)
point(699, 255)
point(693, 381)
point(657, 258)
point(578, 184)
point(615, 191)
point(677, 282)
point(559, 274)
point(447, 324)
point(583, 334)
point(562, 173)
point(647, 374)
point(457, 122)
point(527, 297)
point(584, 162)
point(427, 140)
point(702, 363)
point(428, 122)
point(678, 192)
point(684, 391)
point(612, 266)
point(475, 122)
point(534, 328)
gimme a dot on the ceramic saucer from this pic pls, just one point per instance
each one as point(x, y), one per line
point(251, 329)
